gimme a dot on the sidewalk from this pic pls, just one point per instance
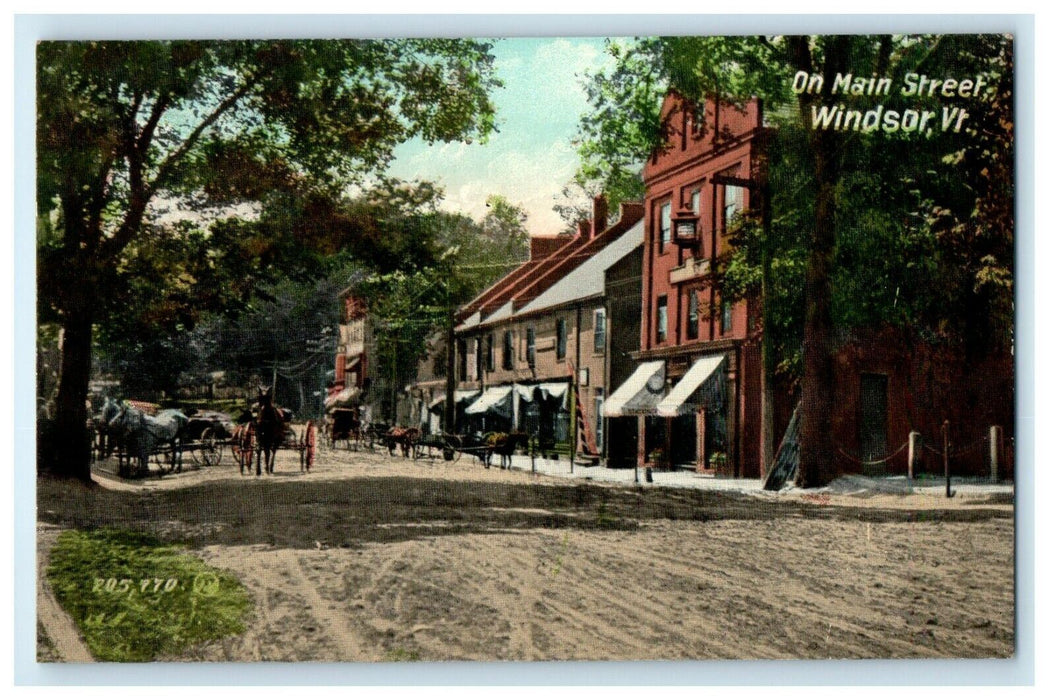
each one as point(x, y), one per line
point(847, 484)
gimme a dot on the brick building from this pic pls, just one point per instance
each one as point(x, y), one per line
point(523, 341)
point(695, 390)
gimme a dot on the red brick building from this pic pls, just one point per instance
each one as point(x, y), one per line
point(695, 391)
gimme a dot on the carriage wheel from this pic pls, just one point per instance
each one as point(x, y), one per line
point(452, 448)
point(208, 448)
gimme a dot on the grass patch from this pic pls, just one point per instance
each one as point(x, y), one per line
point(135, 598)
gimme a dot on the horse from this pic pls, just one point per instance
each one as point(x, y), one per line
point(404, 437)
point(141, 434)
point(104, 441)
point(503, 444)
point(270, 428)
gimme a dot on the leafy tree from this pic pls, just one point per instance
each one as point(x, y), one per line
point(124, 126)
point(859, 237)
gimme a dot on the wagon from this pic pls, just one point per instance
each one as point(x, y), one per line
point(244, 445)
point(205, 436)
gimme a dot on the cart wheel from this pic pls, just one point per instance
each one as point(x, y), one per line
point(210, 450)
point(452, 448)
point(310, 439)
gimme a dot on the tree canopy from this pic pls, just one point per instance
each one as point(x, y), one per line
point(125, 127)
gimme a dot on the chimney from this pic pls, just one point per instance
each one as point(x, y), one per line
point(584, 229)
point(601, 214)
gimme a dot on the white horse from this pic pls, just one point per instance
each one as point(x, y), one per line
point(142, 434)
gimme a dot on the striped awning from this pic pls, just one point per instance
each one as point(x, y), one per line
point(345, 397)
point(681, 400)
point(640, 394)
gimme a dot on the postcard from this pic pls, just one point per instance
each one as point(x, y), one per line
point(526, 349)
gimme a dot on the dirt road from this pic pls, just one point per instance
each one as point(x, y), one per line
point(369, 558)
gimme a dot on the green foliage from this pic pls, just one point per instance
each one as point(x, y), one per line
point(135, 599)
point(923, 225)
point(279, 127)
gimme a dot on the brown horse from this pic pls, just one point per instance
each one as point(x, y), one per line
point(503, 444)
point(270, 429)
point(405, 438)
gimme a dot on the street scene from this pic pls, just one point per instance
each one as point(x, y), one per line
point(526, 349)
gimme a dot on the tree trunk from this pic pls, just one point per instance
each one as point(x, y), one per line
point(817, 449)
point(817, 465)
point(65, 449)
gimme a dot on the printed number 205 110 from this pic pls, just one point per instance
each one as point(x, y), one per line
point(129, 586)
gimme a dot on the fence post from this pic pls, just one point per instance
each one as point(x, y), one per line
point(914, 453)
point(996, 441)
point(946, 454)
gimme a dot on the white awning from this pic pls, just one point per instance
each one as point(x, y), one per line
point(342, 398)
point(493, 400)
point(525, 391)
point(461, 396)
point(677, 402)
point(639, 395)
point(555, 390)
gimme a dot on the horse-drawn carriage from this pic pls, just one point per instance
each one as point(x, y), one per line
point(139, 433)
point(266, 431)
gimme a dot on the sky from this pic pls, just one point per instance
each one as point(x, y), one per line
point(532, 157)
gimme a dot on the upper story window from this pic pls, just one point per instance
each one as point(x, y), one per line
point(665, 225)
point(599, 330)
point(463, 361)
point(489, 352)
point(562, 339)
point(529, 346)
point(698, 119)
point(507, 350)
point(693, 315)
point(733, 198)
point(694, 201)
point(661, 319)
point(727, 317)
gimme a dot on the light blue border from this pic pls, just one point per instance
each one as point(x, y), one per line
point(30, 28)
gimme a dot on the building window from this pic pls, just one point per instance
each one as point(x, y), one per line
point(463, 361)
point(599, 330)
point(507, 350)
point(698, 119)
point(489, 352)
point(727, 317)
point(562, 339)
point(733, 197)
point(692, 315)
point(661, 319)
point(694, 201)
point(529, 346)
point(665, 225)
